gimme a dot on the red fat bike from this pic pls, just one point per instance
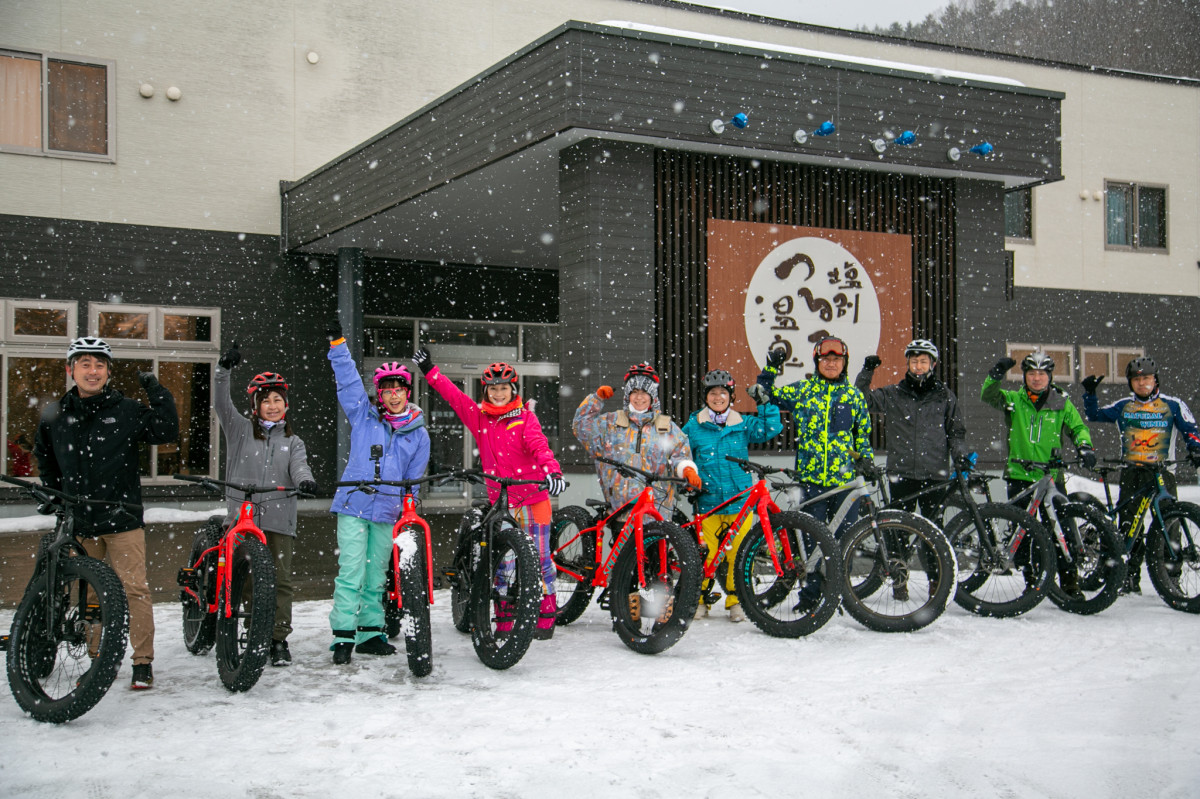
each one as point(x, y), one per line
point(651, 578)
point(775, 565)
point(228, 587)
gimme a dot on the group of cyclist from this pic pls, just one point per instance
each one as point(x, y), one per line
point(87, 444)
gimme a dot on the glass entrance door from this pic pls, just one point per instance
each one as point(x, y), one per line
point(448, 439)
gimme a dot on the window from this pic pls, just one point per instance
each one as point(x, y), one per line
point(1018, 214)
point(56, 105)
point(1135, 216)
point(1063, 356)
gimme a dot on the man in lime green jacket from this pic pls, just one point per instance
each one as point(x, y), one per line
point(1037, 414)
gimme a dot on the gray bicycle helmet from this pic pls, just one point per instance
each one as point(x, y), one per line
point(1037, 360)
point(920, 345)
point(718, 378)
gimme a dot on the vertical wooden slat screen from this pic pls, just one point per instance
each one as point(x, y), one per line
point(691, 188)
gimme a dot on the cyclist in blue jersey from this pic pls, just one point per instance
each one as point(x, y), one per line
point(1149, 421)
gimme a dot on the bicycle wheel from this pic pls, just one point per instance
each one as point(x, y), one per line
point(391, 614)
point(58, 672)
point(1099, 563)
point(414, 596)
point(574, 561)
point(511, 574)
point(459, 573)
point(666, 604)
point(907, 568)
point(244, 637)
point(992, 580)
point(1175, 571)
point(199, 626)
point(798, 600)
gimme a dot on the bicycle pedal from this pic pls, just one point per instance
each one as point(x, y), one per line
point(188, 578)
point(91, 613)
point(603, 600)
point(665, 616)
point(635, 606)
point(3, 643)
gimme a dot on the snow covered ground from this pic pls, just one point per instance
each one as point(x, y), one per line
point(1047, 705)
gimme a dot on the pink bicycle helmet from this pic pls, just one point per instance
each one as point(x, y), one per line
point(392, 371)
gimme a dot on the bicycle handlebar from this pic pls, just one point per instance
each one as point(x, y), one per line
point(247, 489)
point(370, 483)
point(757, 468)
point(633, 471)
point(478, 477)
point(53, 496)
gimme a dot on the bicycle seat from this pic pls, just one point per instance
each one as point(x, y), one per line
point(598, 504)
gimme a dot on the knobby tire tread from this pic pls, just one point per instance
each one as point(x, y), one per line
point(505, 652)
point(566, 524)
point(414, 596)
point(242, 650)
point(684, 558)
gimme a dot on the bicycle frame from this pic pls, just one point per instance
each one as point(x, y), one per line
point(1148, 498)
point(243, 527)
point(408, 517)
point(1045, 494)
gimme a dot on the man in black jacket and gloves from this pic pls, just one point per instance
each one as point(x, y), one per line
point(87, 445)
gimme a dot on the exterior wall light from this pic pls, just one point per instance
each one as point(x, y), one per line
point(739, 120)
point(173, 93)
point(953, 154)
point(312, 57)
point(146, 90)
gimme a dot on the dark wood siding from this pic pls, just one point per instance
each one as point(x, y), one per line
point(692, 188)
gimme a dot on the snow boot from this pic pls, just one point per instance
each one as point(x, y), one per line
point(1068, 581)
point(810, 594)
point(376, 645)
point(546, 615)
point(504, 618)
point(280, 656)
point(736, 614)
point(702, 610)
point(143, 677)
point(343, 646)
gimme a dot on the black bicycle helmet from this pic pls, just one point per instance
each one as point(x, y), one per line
point(1037, 360)
point(718, 378)
point(1140, 367)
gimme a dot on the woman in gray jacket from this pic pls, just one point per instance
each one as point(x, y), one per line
point(263, 450)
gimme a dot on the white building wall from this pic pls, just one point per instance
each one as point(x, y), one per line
point(254, 111)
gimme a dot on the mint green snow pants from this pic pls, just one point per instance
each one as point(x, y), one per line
point(365, 550)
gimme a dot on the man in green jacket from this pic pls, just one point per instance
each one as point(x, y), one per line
point(1038, 414)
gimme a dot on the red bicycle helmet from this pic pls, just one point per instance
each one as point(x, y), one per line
point(266, 381)
point(499, 374)
point(642, 369)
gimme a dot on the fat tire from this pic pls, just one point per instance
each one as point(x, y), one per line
point(1177, 579)
point(51, 676)
point(199, 626)
point(1101, 566)
point(912, 541)
point(771, 600)
point(460, 582)
point(980, 584)
point(414, 596)
point(242, 648)
point(524, 592)
point(571, 550)
point(683, 588)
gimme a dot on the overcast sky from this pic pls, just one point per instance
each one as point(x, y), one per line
point(838, 13)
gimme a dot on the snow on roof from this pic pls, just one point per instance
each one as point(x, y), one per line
point(877, 63)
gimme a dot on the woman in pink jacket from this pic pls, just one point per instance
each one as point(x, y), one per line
point(511, 444)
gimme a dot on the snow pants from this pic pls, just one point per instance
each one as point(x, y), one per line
point(365, 548)
point(536, 519)
point(713, 529)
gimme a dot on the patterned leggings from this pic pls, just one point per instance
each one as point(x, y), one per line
point(536, 521)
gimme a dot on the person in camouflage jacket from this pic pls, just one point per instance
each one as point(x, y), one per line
point(832, 424)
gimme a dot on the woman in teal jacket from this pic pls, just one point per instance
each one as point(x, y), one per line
point(714, 431)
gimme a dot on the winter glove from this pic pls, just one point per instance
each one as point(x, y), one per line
point(308, 487)
point(423, 360)
point(1193, 458)
point(692, 477)
point(333, 330)
point(759, 394)
point(231, 358)
point(775, 357)
point(871, 363)
point(148, 380)
point(868, 469)
point(604, 392)
point(1090, 382)
point(555, 484)
point(964, 463)
point(1001, 368)
point(1087, 456)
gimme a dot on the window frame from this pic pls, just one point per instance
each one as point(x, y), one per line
point(110, 68)
point(155, 326)
point(1064, 374)
point(1133, 222)
point(8, 321)
point(1020, 239)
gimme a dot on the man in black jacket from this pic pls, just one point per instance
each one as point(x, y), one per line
point(924, 429)
point(87, 445)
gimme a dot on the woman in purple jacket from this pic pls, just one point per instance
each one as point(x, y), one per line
point(511, 444)
point(365, 521)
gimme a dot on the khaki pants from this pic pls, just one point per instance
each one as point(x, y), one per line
point(126, 553)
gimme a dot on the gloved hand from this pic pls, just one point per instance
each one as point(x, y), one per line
point(333, 330)
point(45, 508)
point(775, 357)
point(231, 358)
point(871, 363)
point(693, 478)
point(148, 380)
point(423, 360)
point(604, 392)
point(759, 394)
point(1090, 382)
point(868, 469)
point(1087, 456)
point(1001, 368)
point(555, 484)
point(1194, 459)
point(308, 487)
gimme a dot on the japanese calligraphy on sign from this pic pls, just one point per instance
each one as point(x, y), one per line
point(786, 287)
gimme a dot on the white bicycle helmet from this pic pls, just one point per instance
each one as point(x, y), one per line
point(89, 345)
point(919, 346)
